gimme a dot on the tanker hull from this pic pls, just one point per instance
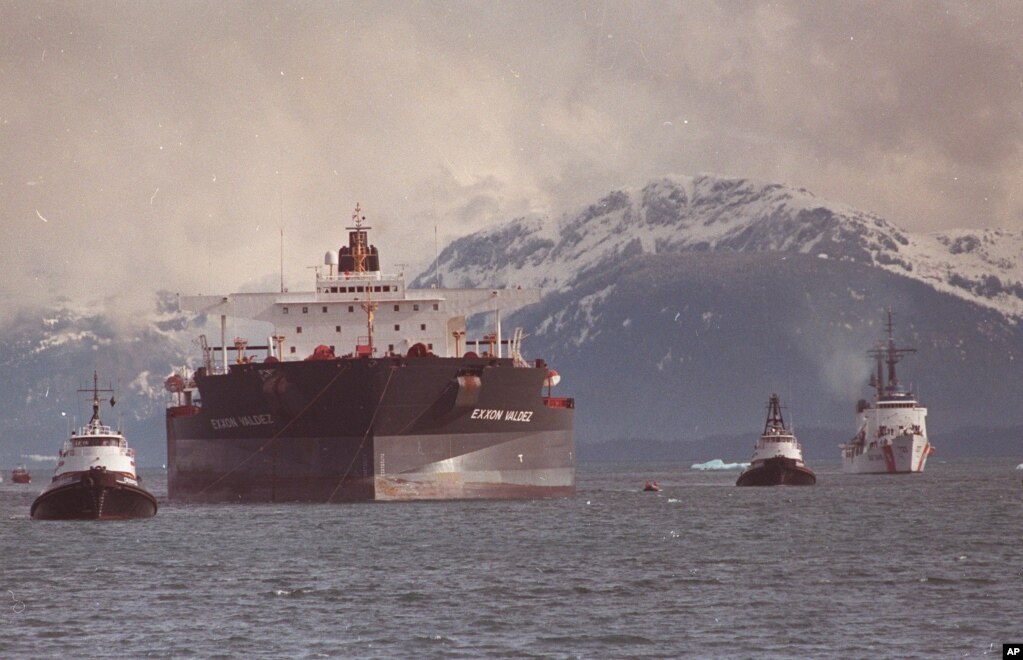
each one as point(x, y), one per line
point(356, 430)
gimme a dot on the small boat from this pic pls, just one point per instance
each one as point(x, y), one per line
point(20, 475)
point(652, 486)
point(96, 478)
point(777, 457)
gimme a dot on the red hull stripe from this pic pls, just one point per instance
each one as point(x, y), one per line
point(923, 457)
point(889, 458)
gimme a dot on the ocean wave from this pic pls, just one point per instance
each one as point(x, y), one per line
point(718, 464)
point(1020, 466)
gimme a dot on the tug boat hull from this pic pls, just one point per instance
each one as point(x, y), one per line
point(779, 471)
point(94, 495)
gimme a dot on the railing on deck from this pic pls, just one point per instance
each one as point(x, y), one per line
point(368, 276)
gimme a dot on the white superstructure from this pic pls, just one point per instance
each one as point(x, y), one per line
point(95, 446)
point(776, 441)
point(357, 309)
point(892, 435)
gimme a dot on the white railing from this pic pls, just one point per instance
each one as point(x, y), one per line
point(368, 276)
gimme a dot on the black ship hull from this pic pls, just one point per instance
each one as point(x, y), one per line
point(371, 429)
point(94, 495)
point(779, 471)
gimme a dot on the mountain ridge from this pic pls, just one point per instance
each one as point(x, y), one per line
point(671, 310)
point(715, 214)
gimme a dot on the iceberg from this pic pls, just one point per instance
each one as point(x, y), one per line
point(718, 464)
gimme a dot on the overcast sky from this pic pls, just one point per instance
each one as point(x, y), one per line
point(149, 145)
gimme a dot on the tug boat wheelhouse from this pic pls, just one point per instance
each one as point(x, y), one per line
point(777, 457)
point(96, 478)
point(892, 436)
point(368, 390)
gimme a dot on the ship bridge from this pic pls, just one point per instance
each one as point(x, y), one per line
point(355, 308)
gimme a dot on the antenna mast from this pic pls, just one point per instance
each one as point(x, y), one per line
point(280, 224)
point(886, 353)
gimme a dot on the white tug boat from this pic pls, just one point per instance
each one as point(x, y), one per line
point(777, 456)
point(95, 476)
point(892, 435)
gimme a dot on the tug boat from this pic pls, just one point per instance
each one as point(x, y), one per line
point(95, 477)
point(20, 475)
point(777, 457)
point(892, 436)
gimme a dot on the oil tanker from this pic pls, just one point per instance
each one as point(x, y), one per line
point(366, 390)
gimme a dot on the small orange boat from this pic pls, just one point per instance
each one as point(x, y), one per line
point(20, 475)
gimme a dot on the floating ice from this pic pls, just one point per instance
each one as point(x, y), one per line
point(718, 464)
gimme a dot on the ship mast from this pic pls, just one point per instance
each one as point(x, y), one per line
point(357, 241)
point(96, 400)
point(774, 423)
point(888, 354)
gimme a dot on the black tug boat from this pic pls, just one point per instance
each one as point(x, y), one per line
point(95, 477)
point(777, 457)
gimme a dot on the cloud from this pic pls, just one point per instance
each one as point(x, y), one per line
point(167, 145)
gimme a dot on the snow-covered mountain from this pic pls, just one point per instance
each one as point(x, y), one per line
point(673, 311)
point(712, 214)
point(46, 355)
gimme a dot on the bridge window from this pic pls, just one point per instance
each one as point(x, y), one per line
point(397, 327)
point(305, 310)
point(324, 309)
point(292, 349)
point(337, 328)
point(298, 330)
point(415, 308)
point(377, 289)
point(422, 326)
point(351, 308)
point(436, 307)
point(397, 308)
